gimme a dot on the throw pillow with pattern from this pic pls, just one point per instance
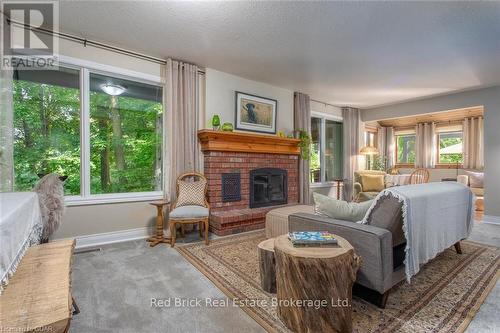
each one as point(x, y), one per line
point(191, 193)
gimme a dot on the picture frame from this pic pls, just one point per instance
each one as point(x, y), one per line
point(255, 113)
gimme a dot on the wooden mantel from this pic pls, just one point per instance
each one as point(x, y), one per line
point(247, 142)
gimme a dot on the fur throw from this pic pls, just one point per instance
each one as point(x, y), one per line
point(50, 190)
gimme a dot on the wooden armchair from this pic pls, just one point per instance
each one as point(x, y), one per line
point(419, 176)
point(191, 205)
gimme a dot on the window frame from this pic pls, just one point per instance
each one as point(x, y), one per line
point(86, 67)
point(322, 161)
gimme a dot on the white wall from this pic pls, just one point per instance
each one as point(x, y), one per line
point(220, 97)
point(489, 98)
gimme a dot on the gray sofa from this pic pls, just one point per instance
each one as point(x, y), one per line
point(380, 243)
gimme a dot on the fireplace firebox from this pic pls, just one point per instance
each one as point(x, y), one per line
point(268, 187)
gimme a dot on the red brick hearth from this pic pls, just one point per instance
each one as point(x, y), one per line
point(242, 153)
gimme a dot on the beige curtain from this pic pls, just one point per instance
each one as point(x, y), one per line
point(302, 121)
point(386, 145)
point(352, 141)
point(425, 145)
point(6, 132)
point(473, 143)
point(181, 121)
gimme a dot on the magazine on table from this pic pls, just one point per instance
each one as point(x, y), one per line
point(312, 238)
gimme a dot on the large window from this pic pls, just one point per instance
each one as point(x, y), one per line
point(405, 148)
point(450, 148)
point(326, 152)
point(103, 132)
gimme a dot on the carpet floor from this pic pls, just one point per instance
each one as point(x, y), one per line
point(443, 297)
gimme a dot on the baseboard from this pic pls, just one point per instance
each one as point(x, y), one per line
point(112, 237)
point(491, 219)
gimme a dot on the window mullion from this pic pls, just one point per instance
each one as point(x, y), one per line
point(85, 132)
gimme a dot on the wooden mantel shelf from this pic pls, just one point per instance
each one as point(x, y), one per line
point(247, 142)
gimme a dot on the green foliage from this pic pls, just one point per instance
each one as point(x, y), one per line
point(47, 139)
point(305, 144)
point(406, 148)
point(379, 162)
point(447, 140)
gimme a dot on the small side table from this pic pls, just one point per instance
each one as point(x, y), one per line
point(267, 265)
point(321, 274)
point(159, 237)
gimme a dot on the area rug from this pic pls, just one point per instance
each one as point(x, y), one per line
point(443, 297)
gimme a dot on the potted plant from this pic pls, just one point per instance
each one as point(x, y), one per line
point(304, 144)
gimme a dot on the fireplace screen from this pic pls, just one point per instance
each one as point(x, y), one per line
point(231, 187)
point(268, 187)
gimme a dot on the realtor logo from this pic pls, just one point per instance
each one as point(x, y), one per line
point(27, 41)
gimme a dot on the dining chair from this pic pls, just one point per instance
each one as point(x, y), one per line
point(191, 205)
point(419, 176)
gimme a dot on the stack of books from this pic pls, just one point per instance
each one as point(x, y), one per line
point(312, 239)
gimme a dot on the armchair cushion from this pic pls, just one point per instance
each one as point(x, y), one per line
point(373, 183)
point(338, 209)
point(189, 212)
point(476, 179)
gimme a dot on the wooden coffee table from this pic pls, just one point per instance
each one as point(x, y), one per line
point(320, 278)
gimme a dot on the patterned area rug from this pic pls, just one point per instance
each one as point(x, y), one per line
point(443, 297)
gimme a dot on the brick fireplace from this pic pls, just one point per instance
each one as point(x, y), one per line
point(232, 162)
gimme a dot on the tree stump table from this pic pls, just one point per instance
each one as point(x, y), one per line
point(314, 285)
point(267, 266)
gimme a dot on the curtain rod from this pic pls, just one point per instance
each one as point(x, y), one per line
point(100, 45)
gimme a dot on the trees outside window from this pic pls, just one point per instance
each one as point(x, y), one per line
point(405, 152)
point(450, 147)
point(125, 137)
point(120, 154)
point(46, 127)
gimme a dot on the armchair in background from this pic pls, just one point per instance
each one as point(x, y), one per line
point(368, 183)
point(475, 181)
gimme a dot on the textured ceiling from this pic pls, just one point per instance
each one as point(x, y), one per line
point(345, 53)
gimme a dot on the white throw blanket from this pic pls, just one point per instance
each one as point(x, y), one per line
point(435, 216)
point(20, 227)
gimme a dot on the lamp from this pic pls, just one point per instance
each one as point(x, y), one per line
point(113, 89)
point(369, 150)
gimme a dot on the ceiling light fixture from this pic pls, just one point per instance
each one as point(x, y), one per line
point(113, 89)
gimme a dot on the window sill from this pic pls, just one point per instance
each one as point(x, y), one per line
point(101, 199)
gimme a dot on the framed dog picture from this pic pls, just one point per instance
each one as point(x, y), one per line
point(255, 113)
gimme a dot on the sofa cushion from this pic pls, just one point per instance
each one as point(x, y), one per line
point(476, 179)
point(372, 183)
point(386, 214)
point(478, 191)
point(339, 209)
point(189, 212)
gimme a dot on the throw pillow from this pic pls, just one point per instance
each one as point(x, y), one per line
point(338, 209)
point(191, 193)
point(372, 183)
point(476, 179)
